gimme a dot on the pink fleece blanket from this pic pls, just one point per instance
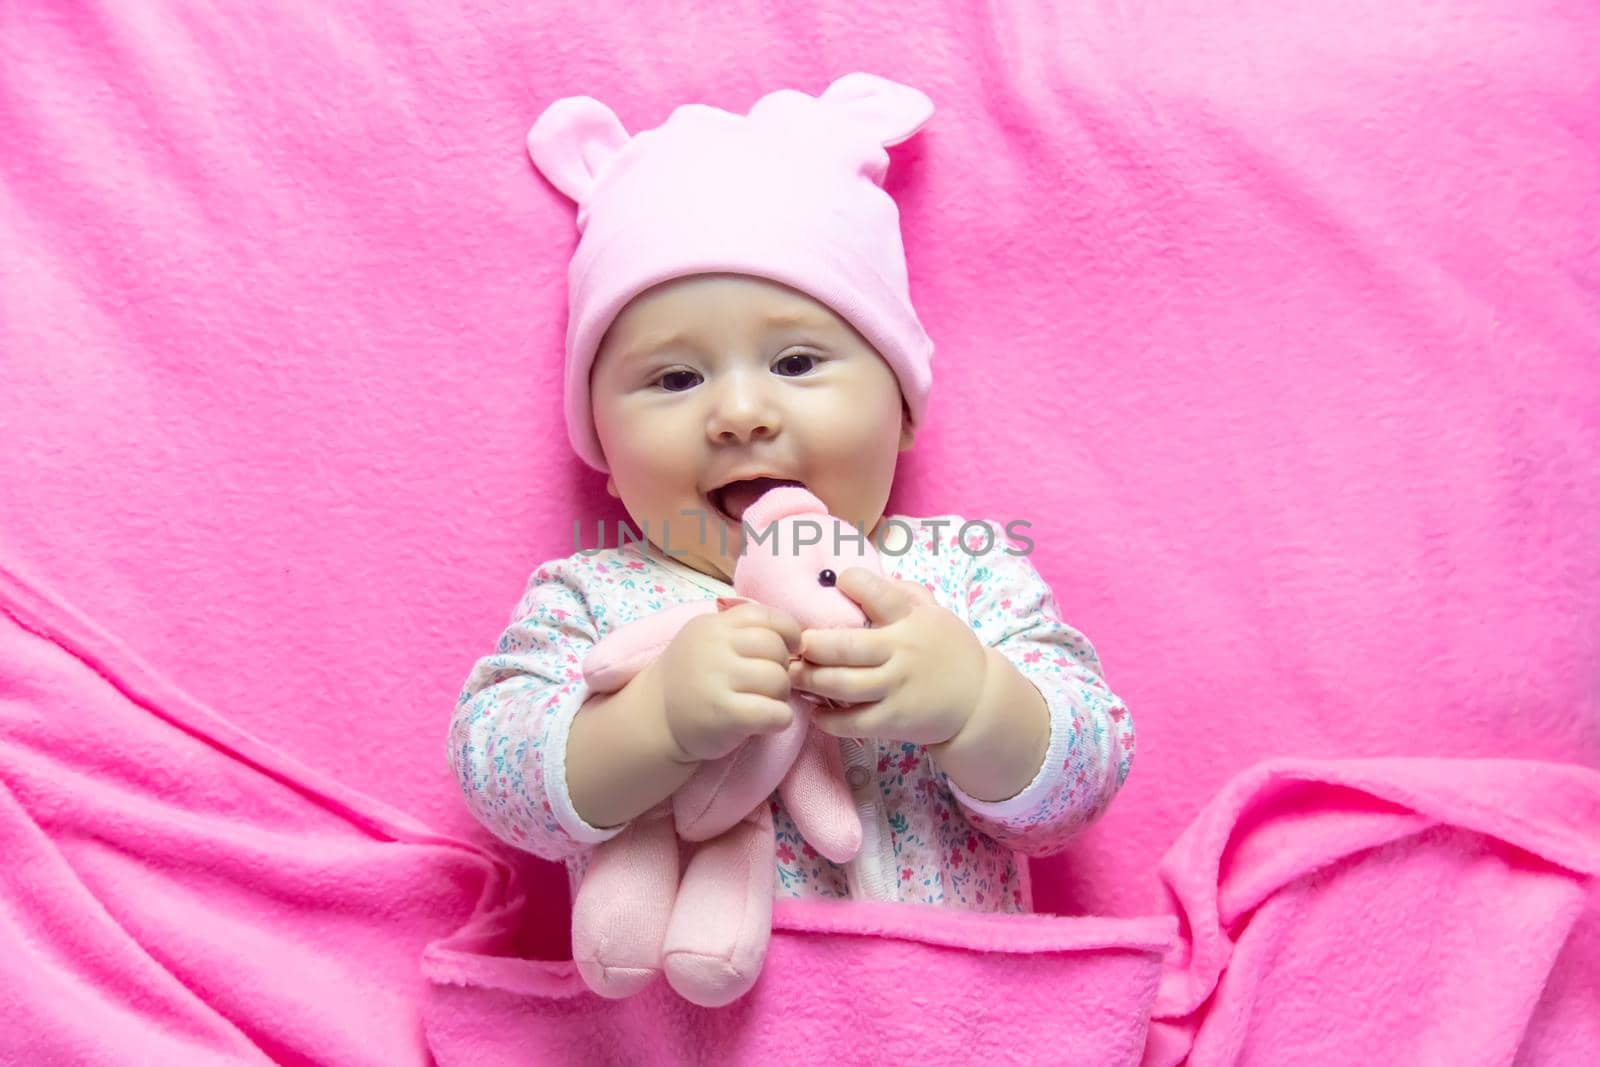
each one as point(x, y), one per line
point(1281, 327)
point(179, 892)
point(1332, 912)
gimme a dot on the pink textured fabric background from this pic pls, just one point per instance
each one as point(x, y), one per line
point(1281, 329)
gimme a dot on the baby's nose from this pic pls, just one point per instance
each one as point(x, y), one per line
point(743, 412)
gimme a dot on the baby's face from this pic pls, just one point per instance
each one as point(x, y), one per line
point(715, 377)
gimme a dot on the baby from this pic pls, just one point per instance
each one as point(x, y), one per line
point(740, 318)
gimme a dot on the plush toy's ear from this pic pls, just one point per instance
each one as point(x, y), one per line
point(572, 142)
point(888, 111)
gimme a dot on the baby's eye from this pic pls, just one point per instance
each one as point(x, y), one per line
point(678, 375)
point(808, 361)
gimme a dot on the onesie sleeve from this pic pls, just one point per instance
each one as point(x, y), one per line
point(1091, 747)
point(508, 734)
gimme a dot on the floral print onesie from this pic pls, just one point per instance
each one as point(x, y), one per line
point(508, 733)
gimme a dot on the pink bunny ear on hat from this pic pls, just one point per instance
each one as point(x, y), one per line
point(888, 111)
point(573, 141)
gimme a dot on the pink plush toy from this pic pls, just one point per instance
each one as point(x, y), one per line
point(631, 917)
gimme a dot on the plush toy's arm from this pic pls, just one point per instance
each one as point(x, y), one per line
point(623, 653)
point(818, 800)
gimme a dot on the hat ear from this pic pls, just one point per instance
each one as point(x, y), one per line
point(573, 141)
point(887, 110)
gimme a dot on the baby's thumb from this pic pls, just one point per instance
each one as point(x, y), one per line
point(782, 719)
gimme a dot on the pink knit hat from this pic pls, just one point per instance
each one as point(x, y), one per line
point(791, 193)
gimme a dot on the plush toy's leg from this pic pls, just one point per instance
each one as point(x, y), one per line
point(818, 800)
point(622, 906)
point(722, 792)
point(722, 921)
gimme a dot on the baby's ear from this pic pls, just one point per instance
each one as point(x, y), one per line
point(888, 111)
point(573, 141)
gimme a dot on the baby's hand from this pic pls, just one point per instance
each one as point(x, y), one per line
point(725, 677)
point(915, 676)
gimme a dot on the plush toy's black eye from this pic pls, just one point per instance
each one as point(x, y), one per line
point(827, 578)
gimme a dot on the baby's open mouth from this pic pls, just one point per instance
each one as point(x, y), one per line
point(732, 499)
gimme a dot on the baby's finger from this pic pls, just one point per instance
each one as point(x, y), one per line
point(760, 677)
point(848, 647)
point(775, 619)
point(883, 599)
point(758, 642)
point(760, 715)
point(865, 720)
point(852, 685)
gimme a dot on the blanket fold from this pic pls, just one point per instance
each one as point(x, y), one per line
point(1382, 911)
point(177, 892)
point(857, 982)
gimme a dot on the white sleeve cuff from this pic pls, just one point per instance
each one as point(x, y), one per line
point(1036, 792)
point(555, 770)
